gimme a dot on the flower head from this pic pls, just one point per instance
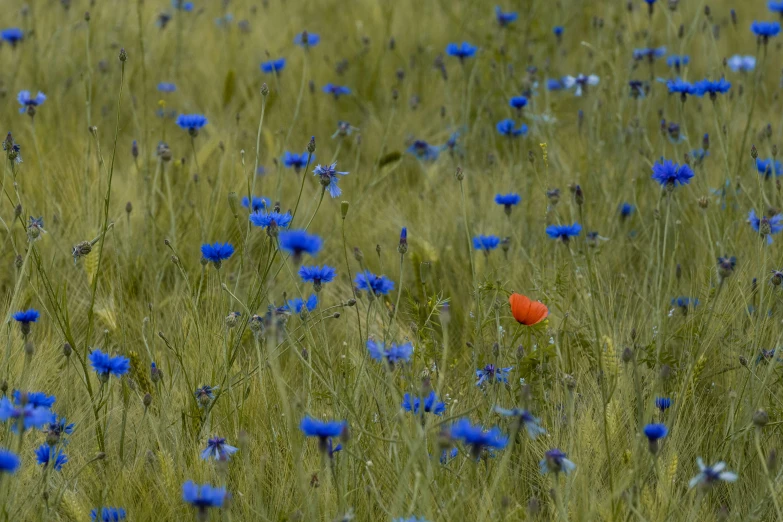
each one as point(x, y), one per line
point(625, 210)
point(739, 63)
point(318, 275)
point(710, 475)
point(9, 461)
point(29, 102)
point(376, 284)
point(776, 6)
point(532, 424)
point(108, 514)
point(29, 416)
point(423, 150)
point(329, 178)
point(713, 88)
point(553, 84)
point(768, 167)
point(336, 90)
point(217, 252)
point(258, 203)
point(271, 219)
point(205, 394)
point(508, 128)
point(46, 454)
point(428, 404)
point(504, 19)
point(323, 430)
point(476, 437)
point(670, 174)
point(297, 305)
point(461, 51)
point(765, 30)
point(649, 54)
point(766, 226)
point(191, 122)
point(491, 373)
point(298, 242)
point(56, 428)
point(663, 403)
point(182, 5)
point(25, 317)
point(517, 102)
point(295, 161)
point(105, 365)
point(167, 87)
point(555, 461)
point(273, 66)
point(654, 433)
point(581, 82)
point(486, 243)
point(203, 496)
point(35, 399)
point(676, 61)
point(12, 35)
point(685, 302)
point(526, 311)
point(508, 201)
point(217, 449)
point(306, 39)
point(564, 232)
point(393, 354)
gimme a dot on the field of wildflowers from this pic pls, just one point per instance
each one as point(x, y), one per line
point(401, 261)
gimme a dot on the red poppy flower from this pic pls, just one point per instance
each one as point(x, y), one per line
point(527, 312)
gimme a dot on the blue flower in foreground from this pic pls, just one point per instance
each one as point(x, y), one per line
point(713, 88)
point(12, 35)
point(46, 454)
point(518, 102)
point(377, 284)
point(329, 178)
point(35, 399)
point(775, 6)
point(476, 437)
point(9, 461)
point(555, 461)
point(298, 242)
point(508, 128)
point(297, 306)
point(461, 51)
point(324, 430)
point(394, 353)
point(273, 66)
point(663, 403)
point(205, 394)
point(217, 449)
point(739, 63)
point(563, 232)
point(336, 90)
point(317, 275)
point(429, 404)
point(558, 31)
point(423, 150)
point(626, 209)
point(765, 30)
point(25, 317)
point(109, 514)
point(259, 203)
point(670, 174)
point(683, 88)
point(105, 365)
point(56, 428)
point(30, 416)
point(649, 53)
point(532, 424)
point(492, 373)
point(203, 496)
point(191, 122)
point(710, 475)
point(306, 39)
point(504, 19)
point(508, 201)
point(486, 243)
point(768, 167)
point(676, 61)
point(29, 102)
point(167, 87)
point(217, 252)
point(295, 161)
point(766, 226)
point(270, 219)
point(654, 433)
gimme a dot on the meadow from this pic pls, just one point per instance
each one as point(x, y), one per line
point(403, 261)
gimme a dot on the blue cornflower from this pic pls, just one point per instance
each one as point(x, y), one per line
point(766, 226)
point(394, 353)
point(28, 102)
point(492, 373)
point(581, 82)
point(685, 303)
point(768, 167)
point(775, 6)
point(626, 209)
point(218, 449)
point(329, 178)
point(738, 63)
point(9, 461)
point(306, 39)
point(295, 161)
point(271, 219)
point(409, 519)
point(663, 403)
point(205, 394)
point(217, 252)
point(181, 4)
point(555, 461)
point(564, 232)
point(297, 306)
point(654, 433)
point(298, 242)
point(532, 424)
point(273, 66)
point(203, 496)
point(167, 87)
point(25, 317)
point(709, 475)
point(30, 416)
point(699, 154)
point(191, 122)
point(649, 53)
point(683, 88)
point(423, 150)
point(448, 455)
point(105, 365)
point(324, 430)
point(504, 19)
point(35, 399)
point(508, 128)
point(486, 243)
point(109, 514)
point(713, 88)
point(553, 84)
point(507, 200)
point(461, 51)
point(331, 449)
point(317, 275)
point(377, 284)
point(402, 247)
point(336, 90)
point(476, 437)
point(558, 31)
point(259, 203)
point(429, 404)
point(46, 454)
point(677, 61)
point(12, 35)
point(56, 428)
point(517, 102)
point(670, 174)
point(765, 30)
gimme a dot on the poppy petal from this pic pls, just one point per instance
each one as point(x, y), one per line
point(525, 311)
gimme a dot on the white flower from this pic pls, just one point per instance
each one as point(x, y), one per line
point(709, 475)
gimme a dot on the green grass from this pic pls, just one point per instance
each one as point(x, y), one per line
point(612, 343)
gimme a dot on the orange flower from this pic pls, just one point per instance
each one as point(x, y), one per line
point(527, 312)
